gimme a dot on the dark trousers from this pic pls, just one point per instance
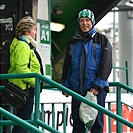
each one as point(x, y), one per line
point(6, 129)
point(25, 112)
point(78, 126)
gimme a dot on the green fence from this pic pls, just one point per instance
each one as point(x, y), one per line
point(35, 123)
point(126, 71)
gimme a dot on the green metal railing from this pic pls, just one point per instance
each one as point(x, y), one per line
point(36, 122)
point(14, 119)
point(126, 70)
point(118, 99)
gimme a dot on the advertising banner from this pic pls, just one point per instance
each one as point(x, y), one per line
point(50, 98)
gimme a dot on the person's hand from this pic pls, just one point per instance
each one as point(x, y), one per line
point(94, 91)
point(67, 95)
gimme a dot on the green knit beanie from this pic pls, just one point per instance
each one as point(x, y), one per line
point(86, 13)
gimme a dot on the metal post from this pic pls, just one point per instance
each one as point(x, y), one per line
point(64, 117)
point(114, 49)
point(109, 120)
point(127, 81)
point(53, 115)
point(37, 100)
point(118, 109)
point(43, 116)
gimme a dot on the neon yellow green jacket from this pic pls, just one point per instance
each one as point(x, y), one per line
point(20, 56)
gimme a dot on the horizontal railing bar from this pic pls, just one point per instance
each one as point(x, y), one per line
point(42, 124)
point(9, 122)
point(127, 105)
point(21, 75)
point(75, 95)
point(82, 99)
point(19, 121)
point(128, 88)
point(122, 68)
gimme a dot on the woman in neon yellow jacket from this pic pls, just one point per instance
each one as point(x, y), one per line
point(25, 59)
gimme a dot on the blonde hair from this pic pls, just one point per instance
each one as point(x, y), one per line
point(24, 25)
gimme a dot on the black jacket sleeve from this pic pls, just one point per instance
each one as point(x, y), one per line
point(106, 60)
point(67, 60)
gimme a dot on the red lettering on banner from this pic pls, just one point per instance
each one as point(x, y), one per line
point(113, 121)
point(131, 119)
point(105, 124)
point(127, 113)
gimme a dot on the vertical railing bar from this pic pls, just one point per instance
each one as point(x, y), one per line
point(127, 81)
point(53, 115)
point(64, 117)
point(109, 119)
point(37, 100)
point(119, 109)
point(43, 119)
point(1, 127)
point(11, 109)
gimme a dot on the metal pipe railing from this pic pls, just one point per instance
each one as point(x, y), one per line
point(19, 121)
point(75, 95)
point(126, 70)
point(37, 100)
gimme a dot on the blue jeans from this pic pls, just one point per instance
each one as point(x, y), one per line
point(78, 126)
point(25, 112)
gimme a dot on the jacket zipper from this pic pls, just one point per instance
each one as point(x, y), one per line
point(84, 63)
point(94, 51)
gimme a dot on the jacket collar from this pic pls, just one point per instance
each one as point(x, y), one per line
point(90, 34)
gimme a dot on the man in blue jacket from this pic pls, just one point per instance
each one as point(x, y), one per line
point(87, 66)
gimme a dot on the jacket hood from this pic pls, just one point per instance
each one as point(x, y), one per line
point(13, 45)
point(25, 39)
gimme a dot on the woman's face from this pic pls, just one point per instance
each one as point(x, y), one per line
point(85, 24)
point(32, 32)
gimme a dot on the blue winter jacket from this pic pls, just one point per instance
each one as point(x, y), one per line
point(95, 52)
